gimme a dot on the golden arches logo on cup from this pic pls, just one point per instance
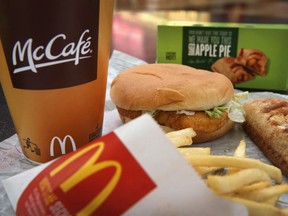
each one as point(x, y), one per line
point(89, 181)
point(62, 144)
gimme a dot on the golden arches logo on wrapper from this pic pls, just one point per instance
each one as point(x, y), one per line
point(88, 182)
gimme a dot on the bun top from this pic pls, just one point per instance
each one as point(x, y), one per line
point(170, 87)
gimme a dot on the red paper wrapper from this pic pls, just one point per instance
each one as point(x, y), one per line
point(133, 170)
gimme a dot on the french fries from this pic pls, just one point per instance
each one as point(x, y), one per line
point(252, 187)
point(260, 209)
point(181, 137)
point(230, 183)
point(204, 171)
point(247, 181)
point(266, 193)
point(240, 150)
point(244, 163)
point(272, 200)
point(188, 152)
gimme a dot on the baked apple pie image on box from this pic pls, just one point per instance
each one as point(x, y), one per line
point(253, 59)
point(248, 64)
point(235, 72)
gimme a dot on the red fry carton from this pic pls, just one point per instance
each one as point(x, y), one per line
point(133, 170)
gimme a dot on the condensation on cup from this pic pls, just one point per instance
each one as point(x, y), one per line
point(53, 71)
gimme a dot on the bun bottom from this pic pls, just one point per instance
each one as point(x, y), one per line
point(206, 128)
point(206, 136)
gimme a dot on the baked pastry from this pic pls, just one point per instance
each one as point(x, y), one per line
point(253, 59)
point(235, 72)
point(267, 125)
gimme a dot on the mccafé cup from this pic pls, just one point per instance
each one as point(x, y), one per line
point(53, 70)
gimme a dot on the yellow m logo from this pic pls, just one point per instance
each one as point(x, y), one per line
point(88, 169)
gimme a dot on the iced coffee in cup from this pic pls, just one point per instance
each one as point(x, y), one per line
point(53, 70)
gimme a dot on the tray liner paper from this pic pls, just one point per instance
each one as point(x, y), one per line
point(133, 170)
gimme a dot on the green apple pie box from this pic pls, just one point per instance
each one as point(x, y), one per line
point(252, 56)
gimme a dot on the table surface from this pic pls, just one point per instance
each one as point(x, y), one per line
point(134, 28)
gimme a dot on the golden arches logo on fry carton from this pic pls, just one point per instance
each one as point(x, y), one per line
point(88, 181)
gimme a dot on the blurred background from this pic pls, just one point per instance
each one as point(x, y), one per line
point(135, 21)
